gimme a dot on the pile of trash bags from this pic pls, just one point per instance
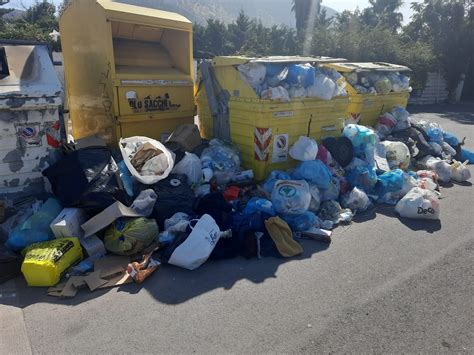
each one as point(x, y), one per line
point(117, 216)
point(285, 82)
point(378, 83)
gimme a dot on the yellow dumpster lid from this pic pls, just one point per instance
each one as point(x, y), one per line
point(117, 11)
point(238, 60)
point(347, 67)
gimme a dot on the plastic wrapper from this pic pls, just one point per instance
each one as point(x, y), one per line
point(130, 236)
point(224, 160)
point(190, 166)
point(304, 149)
point(419, 204)
point(314, 171)
point(36, 228)
point(356, 200)
point(177, 223)
point(398, 155)
point(363, 140)
point(302, 222)
point(291, 197)
point(275, 175)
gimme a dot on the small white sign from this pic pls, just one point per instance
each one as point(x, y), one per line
point(280, 148)
point(282, 114)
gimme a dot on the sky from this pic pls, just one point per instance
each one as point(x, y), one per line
point(338, 5)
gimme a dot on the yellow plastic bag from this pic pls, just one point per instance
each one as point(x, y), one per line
point(45, 262)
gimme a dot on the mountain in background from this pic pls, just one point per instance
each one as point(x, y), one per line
point(270, 12)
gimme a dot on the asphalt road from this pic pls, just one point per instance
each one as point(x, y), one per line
point(384, 285)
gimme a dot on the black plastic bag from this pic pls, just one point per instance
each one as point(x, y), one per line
point(173, 195)
point(87, 178)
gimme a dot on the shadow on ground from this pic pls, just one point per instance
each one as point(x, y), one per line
point(462, 113)
point(173, 285)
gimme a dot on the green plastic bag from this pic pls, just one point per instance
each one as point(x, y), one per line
point(130, 236)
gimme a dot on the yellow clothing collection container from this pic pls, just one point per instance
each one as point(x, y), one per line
point(368, 107)
point(264, 130)
point(128, 69)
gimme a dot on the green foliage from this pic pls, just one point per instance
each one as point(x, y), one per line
point(36, 25)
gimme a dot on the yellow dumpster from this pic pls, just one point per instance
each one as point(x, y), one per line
point(366, 104)
point(128, 69)
point(265, 129)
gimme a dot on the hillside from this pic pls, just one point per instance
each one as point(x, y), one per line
point(270, 12)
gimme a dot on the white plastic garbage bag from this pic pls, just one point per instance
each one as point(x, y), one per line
point(460, 171)
point(128, 148)
point(440, 167)
point(323, 87)
point(197, 248)
point(190, 166)
point(356, 200)
point(277, 93)
point(253, 73)
point(304, 149)
point(144, 202)
point(419, 204)
point(297, 92)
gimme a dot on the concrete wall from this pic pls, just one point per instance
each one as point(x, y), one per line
point(435, 91)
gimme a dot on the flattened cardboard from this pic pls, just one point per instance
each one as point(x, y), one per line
point(94, 281)
point(107, 217)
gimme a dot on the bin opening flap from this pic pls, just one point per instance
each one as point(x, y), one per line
point(4, 70)
point(366, 67)
point(238, 60)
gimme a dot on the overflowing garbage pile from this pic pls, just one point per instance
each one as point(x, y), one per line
point(380, 83)
point(116, 216)
point(286, 82)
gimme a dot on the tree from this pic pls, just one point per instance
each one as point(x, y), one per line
point(239, 31)
point(305, 12)
point(383, 13)
point(448, 26)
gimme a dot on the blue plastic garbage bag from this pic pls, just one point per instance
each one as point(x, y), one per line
point(259, 205)
point(302, 222)
point(301, 74)
point(332, 191)
point(36, 228)
point(467, 155)
point(451, 139)
point(390, 181)
point(315, 172)
point(275, 175)
point(362, 176)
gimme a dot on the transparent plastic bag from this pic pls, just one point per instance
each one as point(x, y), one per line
point(322, 88)
point(291, 197)
point(356, 200)
point(363, 140)
point(278, 93)
point(315, 198)
point(398, 155)
point(222, 159)
point(460, 171)
point(190, 166)
point(253, 73)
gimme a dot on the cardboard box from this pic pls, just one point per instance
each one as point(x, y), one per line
point(68, 223)
point(107, 217)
